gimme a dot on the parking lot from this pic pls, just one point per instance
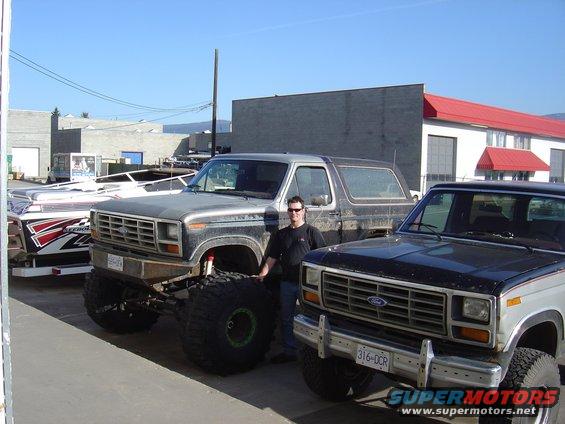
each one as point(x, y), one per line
point(68, 370)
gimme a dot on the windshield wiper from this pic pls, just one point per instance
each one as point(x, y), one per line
point(229, 191)
point(430, 227)
point(193, 187)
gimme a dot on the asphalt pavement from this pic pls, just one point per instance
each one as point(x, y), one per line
point(68, 370)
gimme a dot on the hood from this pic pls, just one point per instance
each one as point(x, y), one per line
point(461, 265)
point(179, 206)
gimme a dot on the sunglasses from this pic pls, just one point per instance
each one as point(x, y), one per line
point(294, 210)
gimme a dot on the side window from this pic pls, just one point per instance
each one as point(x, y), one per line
point(547, 209)
point(371, 183)
point(310, 183)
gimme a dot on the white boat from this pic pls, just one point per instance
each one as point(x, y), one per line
point(48, 225)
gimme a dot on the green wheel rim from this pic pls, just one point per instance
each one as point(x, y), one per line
point(240, 327)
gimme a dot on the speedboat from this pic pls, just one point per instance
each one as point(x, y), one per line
point(48, 225)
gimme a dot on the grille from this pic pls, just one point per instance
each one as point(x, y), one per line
point(123, 230)
point(407, 307)
point(65, 207)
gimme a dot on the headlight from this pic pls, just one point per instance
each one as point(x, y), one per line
point(478, 309)
point(312, 276)
point(172, 231)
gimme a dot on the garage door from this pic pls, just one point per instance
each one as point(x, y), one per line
point(26, 160)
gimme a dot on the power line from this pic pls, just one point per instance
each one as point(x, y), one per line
point(57, 77)
point(156, 119)
point(197, 109)
point(140, 114)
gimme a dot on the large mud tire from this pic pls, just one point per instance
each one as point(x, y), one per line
point(229, 324)
point(529, 368)
point(104, 302)
point(335, 379)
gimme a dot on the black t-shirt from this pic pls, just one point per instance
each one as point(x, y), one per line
point(289, 245)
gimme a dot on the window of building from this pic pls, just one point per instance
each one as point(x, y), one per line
point(557, 166)
point(521, 176)
point(522, 142)
point(441, 160)
point(496, 138)
point(494, 175)
point(371, 183)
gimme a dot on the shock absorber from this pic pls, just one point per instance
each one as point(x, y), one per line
point(209, 263)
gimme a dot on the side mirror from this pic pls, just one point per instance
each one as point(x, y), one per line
point(321, 200)
point(396, 223)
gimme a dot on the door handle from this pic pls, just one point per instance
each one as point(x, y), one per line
point(334, 214)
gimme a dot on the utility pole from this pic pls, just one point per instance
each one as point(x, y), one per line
point(214, 103)
point(6, 414)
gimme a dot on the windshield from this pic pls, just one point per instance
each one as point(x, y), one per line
point(509, 218)
point(246, 178)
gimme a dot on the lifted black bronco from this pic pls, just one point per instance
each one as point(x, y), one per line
point(469, 291)
point(191, 254)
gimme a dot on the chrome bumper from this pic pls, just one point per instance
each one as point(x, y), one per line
point(424, 367)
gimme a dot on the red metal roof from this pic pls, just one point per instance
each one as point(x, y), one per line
point(454, 110)
point(503, 159)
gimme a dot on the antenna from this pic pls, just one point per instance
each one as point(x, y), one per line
point(393, 170)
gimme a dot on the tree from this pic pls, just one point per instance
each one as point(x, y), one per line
point(56, 112)
point(84, 115)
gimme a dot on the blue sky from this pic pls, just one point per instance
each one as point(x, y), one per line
point(506, 53)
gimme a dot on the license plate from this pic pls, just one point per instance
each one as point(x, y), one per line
point(115, 262)
point(373, 358)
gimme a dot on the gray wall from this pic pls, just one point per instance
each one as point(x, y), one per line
point(368, 123)
point(199, 141)
point(109, 138)
point(67, 122)
point(27, 128)
point(154, 146)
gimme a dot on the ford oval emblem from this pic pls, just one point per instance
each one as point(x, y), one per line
point(122, 230)
point(379, 302)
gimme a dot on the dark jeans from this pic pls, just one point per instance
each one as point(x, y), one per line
point(288, 296)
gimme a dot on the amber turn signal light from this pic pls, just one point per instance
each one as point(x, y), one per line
point(196, 226)
point(93, 233)
point(475, 334)
point(172, 248)
point(311, 297)
point(514, 301)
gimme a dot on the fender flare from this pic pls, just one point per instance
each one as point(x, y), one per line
point(227, 241)
point(551, 315)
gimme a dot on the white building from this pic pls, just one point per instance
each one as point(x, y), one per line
point(468, 141)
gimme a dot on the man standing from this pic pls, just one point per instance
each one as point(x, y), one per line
point(289, 245)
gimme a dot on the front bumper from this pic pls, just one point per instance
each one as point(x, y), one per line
point(423, 367)
point(138, 268)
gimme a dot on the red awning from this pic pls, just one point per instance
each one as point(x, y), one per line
point(503, 159)
point(454, 110)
